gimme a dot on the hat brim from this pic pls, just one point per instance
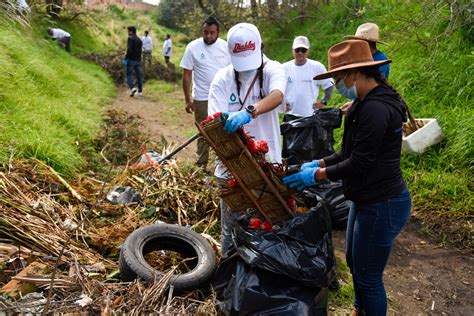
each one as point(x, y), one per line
point(246, 63)
point(364, 39)
point(352, 66)
point(300, 46)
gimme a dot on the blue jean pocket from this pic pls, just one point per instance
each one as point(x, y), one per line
point(399, 209)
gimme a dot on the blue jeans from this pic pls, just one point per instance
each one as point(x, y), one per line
point(134, 65)
point(371, 230)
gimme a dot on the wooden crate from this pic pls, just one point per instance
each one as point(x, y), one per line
point(265, 193)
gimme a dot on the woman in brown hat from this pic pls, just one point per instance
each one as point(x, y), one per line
point(369, 165)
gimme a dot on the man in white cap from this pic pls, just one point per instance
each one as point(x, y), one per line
point(248, 92)
point(202, 59)
point(301, 95)
point(369, 32)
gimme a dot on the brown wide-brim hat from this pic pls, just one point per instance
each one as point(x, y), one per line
point(348, 55)
point(366, 32)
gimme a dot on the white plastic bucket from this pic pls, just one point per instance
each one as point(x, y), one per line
point(418, 141)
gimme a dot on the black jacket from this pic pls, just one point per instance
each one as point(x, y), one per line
point(134, 49)
point(369, 162)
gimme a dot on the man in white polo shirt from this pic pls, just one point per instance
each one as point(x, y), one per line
point(301, 95)
point(63, 37)
point(248, 92)
point(202, 59)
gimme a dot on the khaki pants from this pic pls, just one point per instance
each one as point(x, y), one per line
point(200, 114)
point(146, 57)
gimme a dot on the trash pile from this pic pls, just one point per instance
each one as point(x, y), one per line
point(65, 236)
point(112, 63)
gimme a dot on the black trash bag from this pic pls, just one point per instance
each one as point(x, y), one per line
point(330, 193)
point(245, 290)
point(311, 137)
point(302, 250)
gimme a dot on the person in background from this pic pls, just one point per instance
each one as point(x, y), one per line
point(63, 37)
point(369, 166)
point(301, 95)
point(202, 59)
point(369, 32)
point(248, 92)
point(133, 60)
point(23, 8)
point(147, 46)
point(167, 47)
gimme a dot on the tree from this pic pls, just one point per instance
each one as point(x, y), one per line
point(54, 7)
point(254, 8)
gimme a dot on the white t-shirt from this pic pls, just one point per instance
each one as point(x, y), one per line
point(204, 60)
point(223, 98)
point(23, 6)
point(58, 34)
point(167, 44)
point(301, 90)
point(147, 43)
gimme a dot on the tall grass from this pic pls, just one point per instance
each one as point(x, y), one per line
point(50, 101)
point(432, 69)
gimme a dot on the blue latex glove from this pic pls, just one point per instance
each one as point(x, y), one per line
point(125, 62)
point(236, 120)
point(301, 179)
point(311, 164)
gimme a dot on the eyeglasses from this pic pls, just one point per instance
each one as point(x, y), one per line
point(301, 50)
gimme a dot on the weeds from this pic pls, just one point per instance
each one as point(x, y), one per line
point(432, 70)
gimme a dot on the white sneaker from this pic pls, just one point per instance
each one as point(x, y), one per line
point(133, 91)
point(139, 94)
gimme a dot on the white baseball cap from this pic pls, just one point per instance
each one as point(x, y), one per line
point(245, 46)
point(301, 41)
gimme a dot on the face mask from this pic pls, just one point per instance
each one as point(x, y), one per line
point(350, 93)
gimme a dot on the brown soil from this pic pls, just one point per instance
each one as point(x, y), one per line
point(421, 278)
point(419, 273)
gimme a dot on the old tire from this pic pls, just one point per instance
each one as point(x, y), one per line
point(183, 240)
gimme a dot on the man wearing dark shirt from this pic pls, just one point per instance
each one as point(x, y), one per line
point(133, 60)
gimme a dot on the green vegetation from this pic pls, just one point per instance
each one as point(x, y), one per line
point(106, 30)
point(50, 102)
point(343, 298)
point(432, 69)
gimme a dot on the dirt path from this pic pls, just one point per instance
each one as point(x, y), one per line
point(421, 278)
point(161, 117)
point(420, 273)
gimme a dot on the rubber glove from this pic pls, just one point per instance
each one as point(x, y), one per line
point(236, 120)
point(311, 164)
point(125, 62)
point(301, 179)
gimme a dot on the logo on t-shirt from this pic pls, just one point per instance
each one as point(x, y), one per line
point(239, 47)
point(203, 56)
point(289, 79)
point(233, 99)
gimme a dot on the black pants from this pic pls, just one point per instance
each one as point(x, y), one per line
point(66, 41)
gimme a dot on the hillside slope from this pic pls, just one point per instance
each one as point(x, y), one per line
point(50, 101)
point(433, 70)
